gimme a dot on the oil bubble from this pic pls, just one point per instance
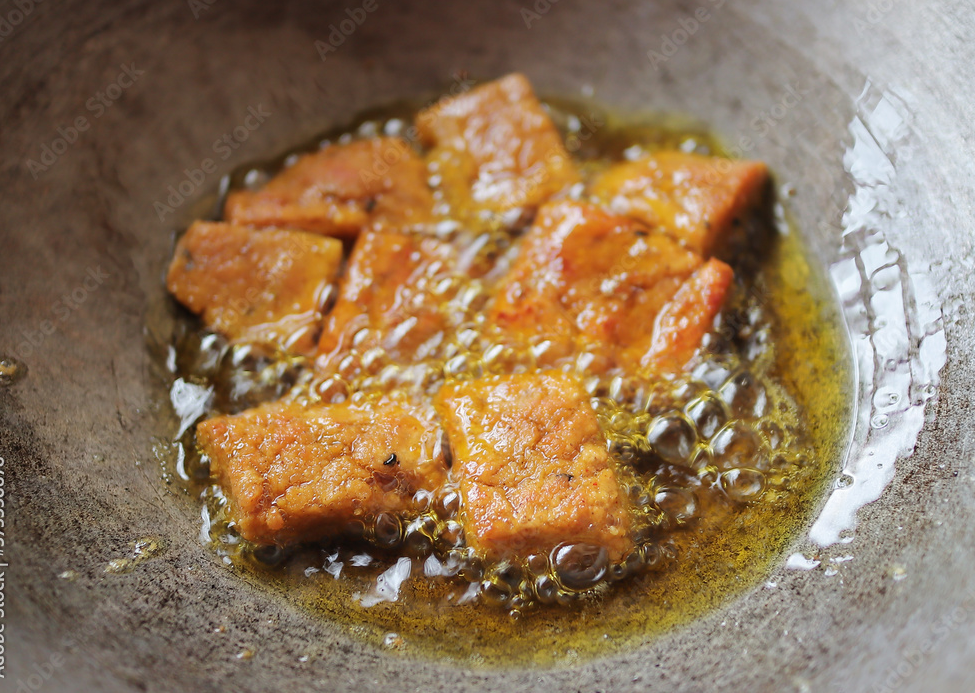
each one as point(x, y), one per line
point(708, 414)
point(845, 481)
point(737, 445)
point(546, 589)
point(495, 592)
point(580, 566)
point(742, 484)
point(678, 504)
point(448, 504)
point(672, 437)
point(450, 535)
point(744, 395)
point(270, 555)
point(387, 530)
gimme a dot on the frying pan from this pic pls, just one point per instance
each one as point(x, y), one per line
point(863, 109)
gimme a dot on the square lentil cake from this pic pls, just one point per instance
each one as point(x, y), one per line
point(496, 149)
point(251, 285)
point(296, 473)
point(588, 281)
point(532, 466)
point(696, 199)
point(341, 190)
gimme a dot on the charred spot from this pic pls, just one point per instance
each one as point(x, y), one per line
point(448, 454)
point(316, 333)
point(391, 460)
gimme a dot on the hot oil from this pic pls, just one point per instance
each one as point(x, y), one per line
point(771, 384)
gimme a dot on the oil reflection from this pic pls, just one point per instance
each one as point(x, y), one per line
point(892, 311)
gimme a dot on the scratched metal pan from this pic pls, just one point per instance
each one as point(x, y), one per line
point(105, 105)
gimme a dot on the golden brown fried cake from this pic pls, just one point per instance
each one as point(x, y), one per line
point(687, 317)
point(300, 474)
point(389, 298)
point(375, 183)
point(696, 199)
point(532, 465)
point(250, 285)
point(495, 149)
point(587, 281)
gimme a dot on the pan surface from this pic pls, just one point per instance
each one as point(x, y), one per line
point(110, 108)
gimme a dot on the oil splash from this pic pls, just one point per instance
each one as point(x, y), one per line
point(11, 370)
point(141, 550)
point(892, 312)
